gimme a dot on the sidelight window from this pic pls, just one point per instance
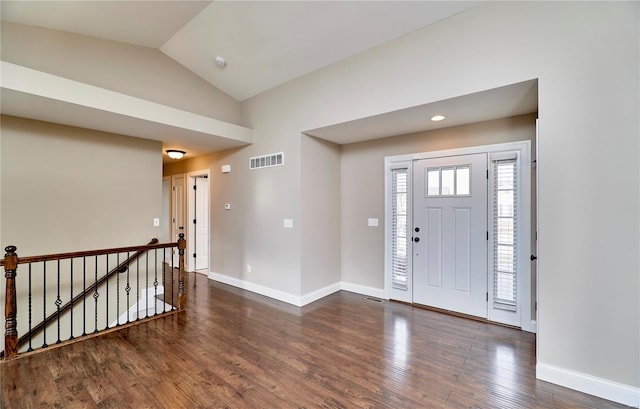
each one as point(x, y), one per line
point(400, 229)
point(505, 234)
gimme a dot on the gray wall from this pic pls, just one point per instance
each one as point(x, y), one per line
point(321, 216)
point(70, 189)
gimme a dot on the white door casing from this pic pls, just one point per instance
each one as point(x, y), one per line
point(450, 233)
point(178, 213)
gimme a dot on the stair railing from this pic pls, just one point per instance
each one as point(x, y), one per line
point(118, 282)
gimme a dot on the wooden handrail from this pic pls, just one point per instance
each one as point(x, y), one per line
point(118, 269)
point(11, 262)
point(89, 253)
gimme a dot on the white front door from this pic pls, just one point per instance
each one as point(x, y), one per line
point(450, 233)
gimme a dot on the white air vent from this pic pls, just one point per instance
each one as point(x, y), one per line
point(266, 161)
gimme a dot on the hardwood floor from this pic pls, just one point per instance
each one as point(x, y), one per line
point(235, 349)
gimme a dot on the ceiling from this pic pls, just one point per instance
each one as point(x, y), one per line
point(265, 44)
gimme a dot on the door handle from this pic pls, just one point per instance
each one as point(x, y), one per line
point(416, 239)
point(532, 258)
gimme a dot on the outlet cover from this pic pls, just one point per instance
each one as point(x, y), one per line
point(372, 222)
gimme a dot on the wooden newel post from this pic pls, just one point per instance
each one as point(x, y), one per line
point(182, 296)
point(10, 304)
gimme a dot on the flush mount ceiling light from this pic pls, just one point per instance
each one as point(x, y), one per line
point(221, 62)
point(437, 118)
point(175, 154)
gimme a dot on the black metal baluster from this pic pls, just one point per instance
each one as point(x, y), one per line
point(84, 297)
point(44, 303)
point(164, 285)
point(173, 280)
point(95, 297)
point(137, 288)
point(106, 300)
point(118, 292)
point(71, 296)
point(155, 283)
point(30, 314)
point(58, 302)
point(146, 286)
point(127, 289)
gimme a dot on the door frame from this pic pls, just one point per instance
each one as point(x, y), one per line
point(527, 319)
point(190, 231)
point(174, 229)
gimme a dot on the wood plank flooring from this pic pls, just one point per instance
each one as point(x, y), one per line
point(235, 349)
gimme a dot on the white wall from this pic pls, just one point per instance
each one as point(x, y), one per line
point(585, 56)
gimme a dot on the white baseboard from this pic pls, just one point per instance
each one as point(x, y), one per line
point(318, 294)
point(603, 388)
point(296, 300)
point(363, 289)
point(258, 289)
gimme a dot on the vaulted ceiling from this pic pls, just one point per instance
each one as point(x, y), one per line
point(264, 44)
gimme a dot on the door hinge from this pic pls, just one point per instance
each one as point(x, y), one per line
point(195, 187)
point(194, 221)
point(487, 173)
point(194, 255)
point(487, 234)
point(536, 305)
point(174, 188)
point(487, 297)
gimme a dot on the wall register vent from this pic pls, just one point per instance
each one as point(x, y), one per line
point(266, 161)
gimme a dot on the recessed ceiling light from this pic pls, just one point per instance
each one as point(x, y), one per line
point(437, 118)
point(221, 62)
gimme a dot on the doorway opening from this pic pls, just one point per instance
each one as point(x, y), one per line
point(198, 243)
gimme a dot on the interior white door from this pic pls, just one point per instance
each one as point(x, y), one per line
point(178, 213)
point(450, 233)
point(202, 223)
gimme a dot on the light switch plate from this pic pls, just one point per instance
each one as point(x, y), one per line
point(372, 222)
point(288, 223)
point(227, 206)
point(156, 222)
